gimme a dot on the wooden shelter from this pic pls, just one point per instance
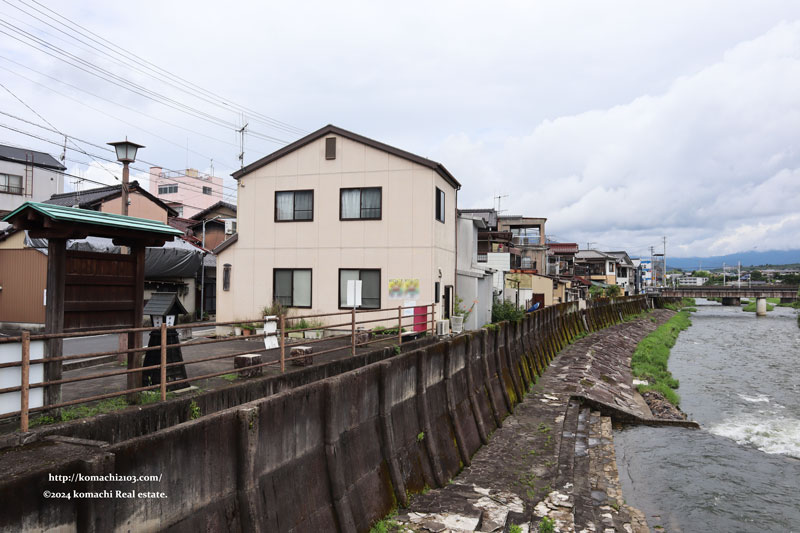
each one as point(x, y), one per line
point(88, 291)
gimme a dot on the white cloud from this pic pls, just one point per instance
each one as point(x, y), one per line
point(711, 161)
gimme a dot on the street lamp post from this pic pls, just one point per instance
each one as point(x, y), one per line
point(126, 154)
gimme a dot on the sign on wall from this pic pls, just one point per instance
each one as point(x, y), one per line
point(400, 288)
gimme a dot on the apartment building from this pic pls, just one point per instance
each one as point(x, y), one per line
point(187, 191)
point(337, 206)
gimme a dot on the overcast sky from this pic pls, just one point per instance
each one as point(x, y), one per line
point(621, 122)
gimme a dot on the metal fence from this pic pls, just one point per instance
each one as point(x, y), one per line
point(347, 325)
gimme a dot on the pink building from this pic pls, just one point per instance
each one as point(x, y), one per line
point(188, 192)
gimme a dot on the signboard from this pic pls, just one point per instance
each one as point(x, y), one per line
point(353, 293)
point(11, 377)
point(402, 288)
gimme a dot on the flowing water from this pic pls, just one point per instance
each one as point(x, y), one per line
point(740, 379)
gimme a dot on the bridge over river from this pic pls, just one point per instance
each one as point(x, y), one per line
point(733, 295)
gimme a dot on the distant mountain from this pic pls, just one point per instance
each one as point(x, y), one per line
point(774, 257)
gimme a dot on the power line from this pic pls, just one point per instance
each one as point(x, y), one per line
point(147, 64)
point(117, 104)
point(95, 156)
point(120, 81)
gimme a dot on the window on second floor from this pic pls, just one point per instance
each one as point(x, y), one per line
point(167, 189)
point(207, 190)
point(294, 206)
point(360, 204)
point(439, 204)
point(11, 184)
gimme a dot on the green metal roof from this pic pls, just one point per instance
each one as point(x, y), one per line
point(85, 216)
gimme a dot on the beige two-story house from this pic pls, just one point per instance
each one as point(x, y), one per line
point(336, 206)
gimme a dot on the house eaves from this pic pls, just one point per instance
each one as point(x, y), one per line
point(24, 156)
point(224, 244)
point(330, 129)
point(92, 197)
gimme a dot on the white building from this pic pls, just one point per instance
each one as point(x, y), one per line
point(474, 280)
point(27, 175)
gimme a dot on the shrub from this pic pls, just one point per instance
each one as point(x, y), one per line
point(506, 310)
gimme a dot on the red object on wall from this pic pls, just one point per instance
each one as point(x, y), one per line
point(421, 318)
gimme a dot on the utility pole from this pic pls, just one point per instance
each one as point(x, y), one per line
point(665, 260)
point(64, 151)
point(241, 146)
point(589, 245)
point(739, 275)
point(723, 274)
point(652, 268)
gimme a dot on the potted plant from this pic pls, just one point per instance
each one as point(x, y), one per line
point(460, 314)
point(237, 329)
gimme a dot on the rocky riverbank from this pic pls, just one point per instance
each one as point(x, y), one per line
point(553, 460)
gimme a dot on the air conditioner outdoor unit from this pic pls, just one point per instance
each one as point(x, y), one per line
point(229, 227)
point(442, 327)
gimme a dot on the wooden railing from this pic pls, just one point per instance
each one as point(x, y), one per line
point(348, 326)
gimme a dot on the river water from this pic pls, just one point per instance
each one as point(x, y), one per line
point(740, 379)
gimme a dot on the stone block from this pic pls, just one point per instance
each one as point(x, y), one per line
point(243, 362)
point(302, 350)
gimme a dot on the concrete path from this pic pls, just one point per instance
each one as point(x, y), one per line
point(553, 459)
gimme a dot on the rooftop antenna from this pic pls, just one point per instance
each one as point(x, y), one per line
point(241, 144)
point(499, 199)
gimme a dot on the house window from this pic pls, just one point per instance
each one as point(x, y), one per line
point(179, 210)
point(294, 205)
point(226, 277)
point(292, 287)
point(330, 148)
point(439, 204)
point(360, 204)
point(11, 184)
point(207, 190)
point(370, 287)
point(167, 189)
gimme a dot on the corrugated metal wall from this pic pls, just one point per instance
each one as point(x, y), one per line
point(23, 276)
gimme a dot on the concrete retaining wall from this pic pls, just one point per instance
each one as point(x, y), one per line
point(334, 454)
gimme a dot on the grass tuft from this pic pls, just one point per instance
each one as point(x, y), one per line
point(649, 361)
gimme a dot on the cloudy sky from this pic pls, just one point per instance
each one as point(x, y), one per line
point(621, 122)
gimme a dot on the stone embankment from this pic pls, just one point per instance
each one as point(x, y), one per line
point(339, 453)
point(554, 458)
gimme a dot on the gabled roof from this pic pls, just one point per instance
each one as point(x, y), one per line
point(25, 156)
point(331, 129)
point(163, 303)
point(202, 214)
point(589, 255)
point(622, 256)
point(91, 197)
point(88, 218)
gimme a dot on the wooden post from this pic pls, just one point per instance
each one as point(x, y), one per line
point(163, 361)
point(135, 338)
point(283, 344)
point(353, 324)
point(54, 314)
point(399, 325)
point(25, 381)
